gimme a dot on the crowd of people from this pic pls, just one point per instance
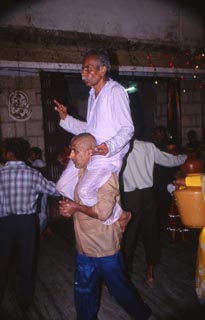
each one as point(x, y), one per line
point(113, 186)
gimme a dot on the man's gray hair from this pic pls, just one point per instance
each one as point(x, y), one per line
point(102, 55)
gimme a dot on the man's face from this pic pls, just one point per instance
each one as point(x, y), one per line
point(80, 154)
point(33, 156)
point(93, 72)
point(7, 155)
point(159, 134)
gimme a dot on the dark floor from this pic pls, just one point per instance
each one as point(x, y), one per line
point(171, 296)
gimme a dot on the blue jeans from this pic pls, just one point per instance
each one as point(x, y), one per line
point(89, 274)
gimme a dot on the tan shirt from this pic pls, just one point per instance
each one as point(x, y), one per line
point(94, 238)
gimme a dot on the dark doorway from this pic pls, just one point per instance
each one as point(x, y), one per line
point(141, 95)
point(70, 91)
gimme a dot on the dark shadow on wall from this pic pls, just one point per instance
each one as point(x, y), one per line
point(6, 5)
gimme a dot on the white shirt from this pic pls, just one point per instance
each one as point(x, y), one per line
point(138, 172)
point(38, 163)
point(108, 120)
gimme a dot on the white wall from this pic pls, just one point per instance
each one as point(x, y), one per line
point(154, 21)
point(145, 20)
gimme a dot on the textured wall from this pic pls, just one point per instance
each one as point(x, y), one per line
point(156, 22)
point(144, 20)
point(31, 129)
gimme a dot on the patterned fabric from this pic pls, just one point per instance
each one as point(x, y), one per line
point(200, 268)
point(20, 186)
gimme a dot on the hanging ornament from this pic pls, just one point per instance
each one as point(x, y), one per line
point(18, 106)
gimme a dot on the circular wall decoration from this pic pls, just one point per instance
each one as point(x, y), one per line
point(19, 108)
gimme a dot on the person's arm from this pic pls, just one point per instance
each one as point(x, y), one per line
point(102, 210)
point(122, 115)
point(168, 160)
point(108, 194)
point(68, 208)
point(46, 186)
point(73, 125)
point(68, 122)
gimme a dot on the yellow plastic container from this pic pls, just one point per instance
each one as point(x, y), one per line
point(191, 206)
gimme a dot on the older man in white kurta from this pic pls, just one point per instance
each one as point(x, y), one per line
point(109, 120)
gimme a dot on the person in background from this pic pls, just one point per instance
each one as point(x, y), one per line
point(138, 197)
point(193, 146)
point(160, 137)
point(36, 161)
point(35, 158)
point(98, 245)
point(109, 120)
point(162, 175)
point(20, 186)
point(198, 180)
point(63, 157)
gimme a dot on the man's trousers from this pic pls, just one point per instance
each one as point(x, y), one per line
point(18, 245)
point(89, 275)
point(144, 221)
